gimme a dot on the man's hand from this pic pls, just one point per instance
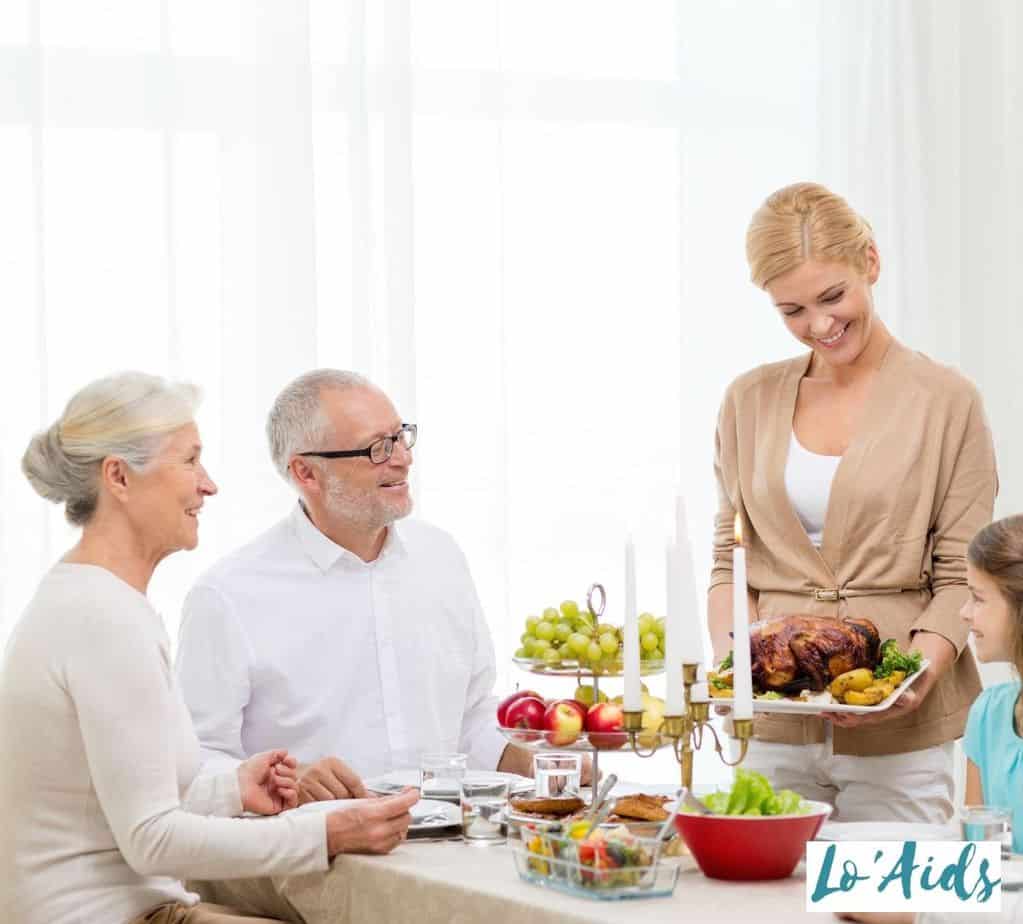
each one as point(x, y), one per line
point(268, 782)
point(329, 778)
point(520, 761)
point(516, 760)
point(371, 825)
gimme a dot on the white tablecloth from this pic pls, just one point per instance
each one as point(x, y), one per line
point(421, 883)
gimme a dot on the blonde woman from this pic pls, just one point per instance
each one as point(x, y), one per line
point(860, 470)
point(104, 812)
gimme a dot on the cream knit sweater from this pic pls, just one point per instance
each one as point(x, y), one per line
point(102, 809)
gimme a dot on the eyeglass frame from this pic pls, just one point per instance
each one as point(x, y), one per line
point(388, 441)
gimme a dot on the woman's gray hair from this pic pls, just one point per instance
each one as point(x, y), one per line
point(297, 422)
point(126, 415)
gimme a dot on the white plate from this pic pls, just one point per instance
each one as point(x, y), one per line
point(426, 813)
point(886, 831)
point(394, 781)
point(800, 707)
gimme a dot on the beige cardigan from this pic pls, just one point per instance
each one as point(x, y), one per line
point(916, 483)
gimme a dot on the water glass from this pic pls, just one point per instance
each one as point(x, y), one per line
point(987, 823)
point(482, 804)
point(557, 774)
point(440, 775)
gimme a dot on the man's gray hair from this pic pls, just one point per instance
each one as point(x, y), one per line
point(296, 422)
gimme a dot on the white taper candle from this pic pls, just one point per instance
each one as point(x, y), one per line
point(742, 666)
point(672, 637)
point(633, 700)
point(692, 627)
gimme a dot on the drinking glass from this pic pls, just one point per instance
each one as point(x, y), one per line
point(440, 775)
point(482, 803)
point(987, 823)
point(557, 774)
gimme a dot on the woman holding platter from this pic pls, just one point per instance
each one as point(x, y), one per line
point(860, 470)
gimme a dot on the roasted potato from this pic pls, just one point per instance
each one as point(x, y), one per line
point(884, 686)
point(857, 680)
point(896, 677)
point(869, 696)
point(719, 693)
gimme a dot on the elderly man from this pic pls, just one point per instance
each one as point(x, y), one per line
point(341, 631)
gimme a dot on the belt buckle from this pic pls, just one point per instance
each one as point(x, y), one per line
point(830, 596)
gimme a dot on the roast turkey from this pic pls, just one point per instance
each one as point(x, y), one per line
point(793, 653)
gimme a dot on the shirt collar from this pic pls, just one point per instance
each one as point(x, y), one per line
point(325, 553)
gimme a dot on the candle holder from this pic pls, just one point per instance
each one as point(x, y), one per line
point(686, 731)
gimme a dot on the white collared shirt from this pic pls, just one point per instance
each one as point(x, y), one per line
point(294, 642)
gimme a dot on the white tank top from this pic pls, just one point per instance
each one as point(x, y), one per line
point(808, 478)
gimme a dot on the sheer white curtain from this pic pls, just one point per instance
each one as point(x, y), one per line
point(923, 126)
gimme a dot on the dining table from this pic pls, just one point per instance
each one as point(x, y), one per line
point(456, 882)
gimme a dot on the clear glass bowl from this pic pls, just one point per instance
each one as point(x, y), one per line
point(559, 862)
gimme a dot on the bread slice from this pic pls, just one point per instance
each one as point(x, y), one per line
point(642, 807)
point(555, 805)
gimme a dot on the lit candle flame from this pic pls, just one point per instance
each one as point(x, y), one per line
point(738, 530)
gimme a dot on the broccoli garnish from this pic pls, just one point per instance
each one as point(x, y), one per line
point(726, 663)
point(894, 659)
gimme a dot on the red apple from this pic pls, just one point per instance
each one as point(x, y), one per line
point(605, 717)
point(563, 722)
point(579, 707)
point(502, 707)
point(525, 712)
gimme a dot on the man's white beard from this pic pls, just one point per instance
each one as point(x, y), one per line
point(361, 508)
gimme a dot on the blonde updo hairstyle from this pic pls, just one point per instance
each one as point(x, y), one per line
point(805, 221)
point(127, 415)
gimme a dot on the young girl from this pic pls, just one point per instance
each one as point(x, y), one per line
point(994, 729)
point(994, 612)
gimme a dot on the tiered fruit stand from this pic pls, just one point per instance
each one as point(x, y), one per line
point(684, 733)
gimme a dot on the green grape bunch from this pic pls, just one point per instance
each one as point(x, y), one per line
point(568, 634)
point(651, 637)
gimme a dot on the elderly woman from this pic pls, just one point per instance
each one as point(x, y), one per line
point(860, 470)
point(104, 811)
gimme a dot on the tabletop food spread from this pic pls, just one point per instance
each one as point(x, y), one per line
point(642, 840)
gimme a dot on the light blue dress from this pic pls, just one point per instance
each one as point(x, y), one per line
point(992, 744)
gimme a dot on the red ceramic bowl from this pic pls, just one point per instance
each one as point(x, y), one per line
point(747, 846)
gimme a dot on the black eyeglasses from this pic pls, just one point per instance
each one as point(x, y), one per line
point(378, 451)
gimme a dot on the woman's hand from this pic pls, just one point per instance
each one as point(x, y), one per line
point(268, 782)
point(371, 825)
point(935, 648)
point(905, 704)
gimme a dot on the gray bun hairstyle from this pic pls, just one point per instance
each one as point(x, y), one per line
point(128, 415)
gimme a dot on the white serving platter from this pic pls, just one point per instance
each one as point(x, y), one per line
point(801, 707)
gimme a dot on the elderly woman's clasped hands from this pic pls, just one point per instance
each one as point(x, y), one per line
point(269, 785)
